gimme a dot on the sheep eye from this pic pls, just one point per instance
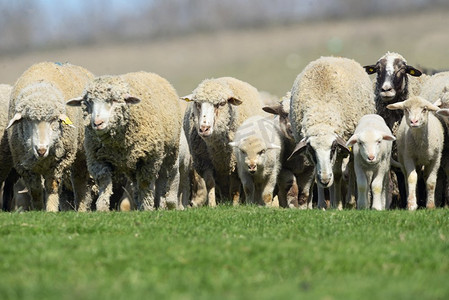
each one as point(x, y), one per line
point(261, 152)
point(223, 103)
point(424, 110)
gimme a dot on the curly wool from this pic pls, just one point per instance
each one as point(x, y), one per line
point(333, 94)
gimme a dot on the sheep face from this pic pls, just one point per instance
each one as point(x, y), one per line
point(392, 70)
point(252, 151)
point(369, 145)
point(322, 150)
point(416, 111)
point(206, 114)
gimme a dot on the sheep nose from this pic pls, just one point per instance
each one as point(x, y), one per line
point(252, 168)
point(98, 122)
point(386, 87)
point(204, 129)
point(41, 151)
point(324, 178)
point(413, 122)
point(371, 157)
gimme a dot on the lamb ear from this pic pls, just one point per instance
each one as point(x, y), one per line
point(131, 99)
point(17, 117)
point(389, 137)
point(438, 102)
point(413, 71)
point(187, 98)
point(275, 110)
point(75, 101)
point(234, 101)
point(301, 146)
point(352, 140)
point(395, 106)
point(443, 112)
point(433, 107)
point(371, 69)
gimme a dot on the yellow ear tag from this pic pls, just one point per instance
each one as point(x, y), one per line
point(350, 148)
point(68, 122)
point(412, 72)
point(371, 70)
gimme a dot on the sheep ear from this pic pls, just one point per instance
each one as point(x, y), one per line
point(234, 101)
point(131, 99)
point(443, 112)
point(275, 110)
point(273, 146)
point(17, 117)
point(301, 146)
point(371, 69)
point(352, 140)
point(413, 71)
point(432, 107)
point(187, 98)
point(75, 101)
point(341, 142)
point(65, 120)
point(446, 89)
point(389, 137)
point(233, 144)
point(395, 106)
point(438, 102)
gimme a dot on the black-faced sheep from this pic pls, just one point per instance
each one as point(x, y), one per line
point(328, 98)
point(43, 140)
point(133, 128)
point(218, 108)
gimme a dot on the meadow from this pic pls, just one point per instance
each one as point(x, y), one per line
point(228, 252)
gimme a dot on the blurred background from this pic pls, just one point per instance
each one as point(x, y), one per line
point(264, 42)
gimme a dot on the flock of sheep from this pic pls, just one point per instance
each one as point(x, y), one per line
point(337, 139)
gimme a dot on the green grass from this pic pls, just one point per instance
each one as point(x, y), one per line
point(232, 253)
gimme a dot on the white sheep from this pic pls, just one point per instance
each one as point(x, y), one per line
point(296, 177)
point(371, 144)
point(257, 146)
point(133, 129)
point(218, 108)
point(328, 98)
point(43, 140)
point(420, 140)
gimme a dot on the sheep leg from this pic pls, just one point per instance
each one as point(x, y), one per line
point(105, 192)
point(34, 184)
point(321, 200)
point(305, 186)
point(144, 193)
point(267, 191)
point(412, 180)
point(335, 195)
point(199, 190)
point(362, 188)
point(52, 189)
point(81, 189)
point(285, 183)
point(379, 192)
point(431, 185)
point(249, 189)
point(167, 186)
point(234, 188)
point(210, 187)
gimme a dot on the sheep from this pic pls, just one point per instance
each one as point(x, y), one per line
point(5, 155)
point(371, 145)
point(393, 85)
point(296, 176)
point(133, 125)
point(420, 140)
point(257, 147)
point(218, 108)
point(42, 139)
point(328, 98)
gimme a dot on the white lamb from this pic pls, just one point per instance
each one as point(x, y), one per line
point(371, 144)
point(420, 139)
point(257, 147)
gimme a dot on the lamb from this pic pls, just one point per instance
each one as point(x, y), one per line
point(133, 129)
point(328, 98)
point(296, 176)
point(371, 144)
point(257, 146)
point(420, 140)
point(218, 108)
point(42, 139)
point(392, 85)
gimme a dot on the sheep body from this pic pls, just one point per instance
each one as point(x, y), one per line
point(328, 98)
point(257, 147)
point(135, 125)
point(38, 102)
point(420, 140)
point(5, 154)
point(218, 108)
point(372, 143)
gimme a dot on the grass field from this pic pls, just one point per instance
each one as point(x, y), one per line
point(234, 253)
